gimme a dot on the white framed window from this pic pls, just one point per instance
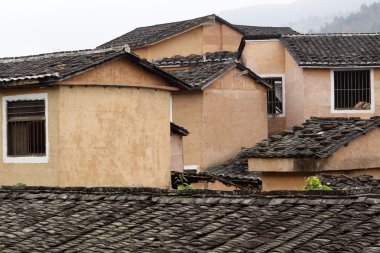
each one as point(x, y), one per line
point(25, 128)
point(275, 95)
point(352, 91)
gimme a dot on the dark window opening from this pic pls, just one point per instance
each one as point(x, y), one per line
point(275, 96)
point(352, 90)
point(26, 129)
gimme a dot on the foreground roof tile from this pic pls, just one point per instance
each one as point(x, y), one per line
point(152, 220)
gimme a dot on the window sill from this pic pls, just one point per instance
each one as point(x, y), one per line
point(273, 116)
point(352, 111)
point(26, 159)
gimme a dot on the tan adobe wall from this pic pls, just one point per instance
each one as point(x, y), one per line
point(220, 37)
point(228, 115)
point(46, 174)
point(176, 144)
point(211, 37)
point(277, 181)
point(121, 72)
point(264, 57)
point(294, 92)
point(114, 137)
point(361, 153)
point(234, 116)
point(187, 112)
point(190, 42)
point(318, 95)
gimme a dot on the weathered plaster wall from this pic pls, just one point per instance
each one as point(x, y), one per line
point(103, 131)
point(187, 112)
point(176, 144)
point(234, 116)
point(36, 174)
point(114, 137)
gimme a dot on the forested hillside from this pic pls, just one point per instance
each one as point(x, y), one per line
point(365, 20)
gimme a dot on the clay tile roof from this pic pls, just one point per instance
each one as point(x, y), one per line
point(317, 137)
point(194, 59)
point(58, 66)
point(174, 128)
point(152, 220)
point(334, 49)
point(344, 182)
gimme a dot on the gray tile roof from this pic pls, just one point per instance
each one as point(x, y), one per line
point(201, 75)
point(317, 137)
point(235, 168)
point(331, 50)
point(143, 36)
point(151, 220)
point(148, 35)
point(194, 59)
point(344, 182)
point(264, 32)
point(57, 66)
point(200, 71)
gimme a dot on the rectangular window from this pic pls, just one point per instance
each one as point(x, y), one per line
point(275, 97)
point(25, 128)
point(352, 90)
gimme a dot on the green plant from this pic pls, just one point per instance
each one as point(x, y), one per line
point(182, 183)
point(313, 183)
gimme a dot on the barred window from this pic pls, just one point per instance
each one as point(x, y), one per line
point(275, 96)
point(26, 132)
point(352, 90)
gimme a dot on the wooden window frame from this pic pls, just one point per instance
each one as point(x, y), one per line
point(332, 89)
point(24, 159)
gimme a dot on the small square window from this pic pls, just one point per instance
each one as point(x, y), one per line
point(352, 90)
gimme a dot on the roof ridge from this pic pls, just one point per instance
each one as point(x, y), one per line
point(59, 54)
point(329, 34)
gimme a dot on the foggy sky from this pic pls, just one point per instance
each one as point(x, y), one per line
point(39, 26)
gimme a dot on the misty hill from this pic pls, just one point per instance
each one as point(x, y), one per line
point(366, 20)
point(302, 15)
